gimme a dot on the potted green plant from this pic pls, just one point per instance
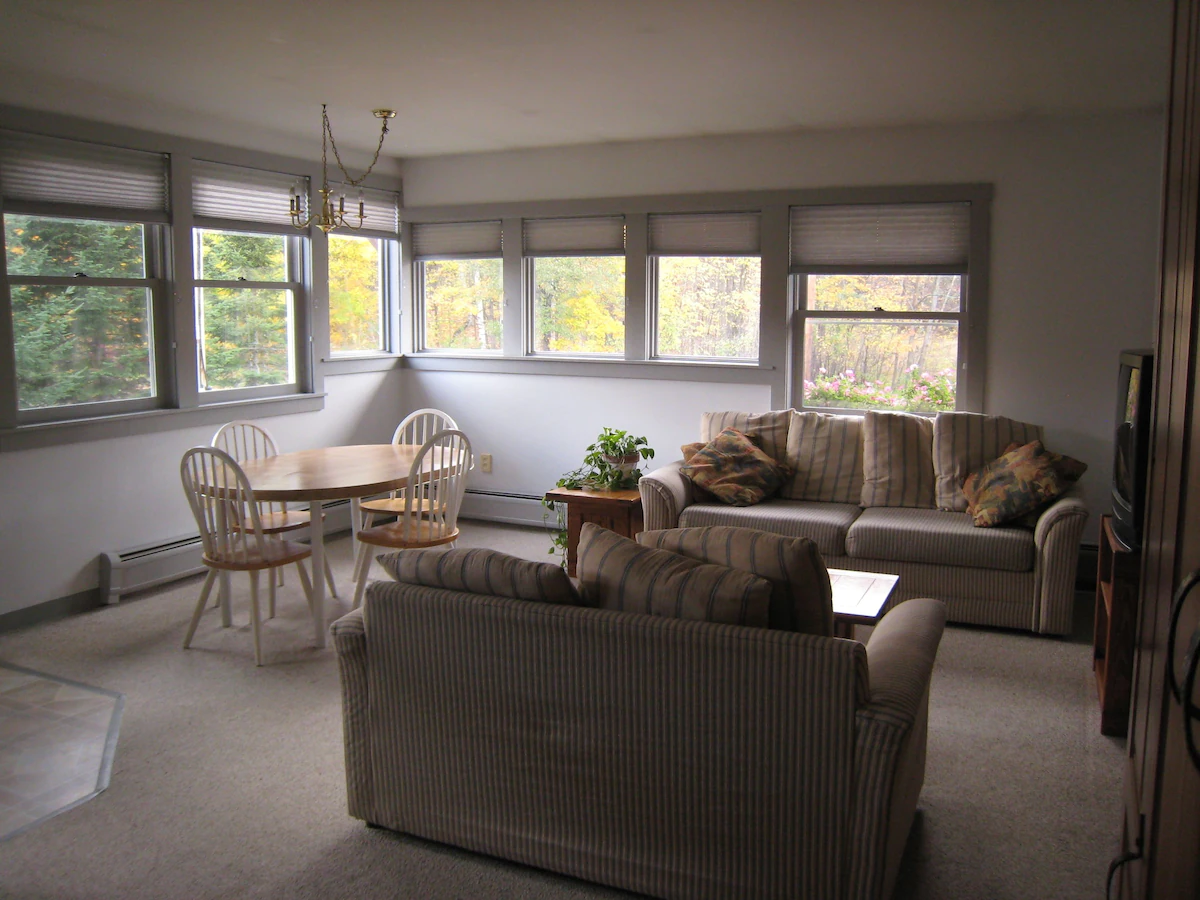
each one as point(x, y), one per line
point(610, 463)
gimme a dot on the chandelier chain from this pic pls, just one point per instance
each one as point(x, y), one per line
point(355, 182)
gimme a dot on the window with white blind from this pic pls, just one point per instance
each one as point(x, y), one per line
point(882, 304)
point(575, 273)
point(83, 241)
point(458, 274)
point(707, 274)
point(248, 280)
point(362, 277)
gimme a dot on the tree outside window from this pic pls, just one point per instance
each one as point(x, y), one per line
point(357, 306)
point(81, 310)
point(245, 327)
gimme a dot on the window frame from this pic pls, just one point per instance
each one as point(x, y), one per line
point(389, 287)
point(298, 254)
point(419, 318)
point(529, 287)
point(155, 236)
point(798, 288)
point(655, 314)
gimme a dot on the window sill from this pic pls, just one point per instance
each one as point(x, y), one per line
point(76, 431)
point(649, 370)
point(352, 365)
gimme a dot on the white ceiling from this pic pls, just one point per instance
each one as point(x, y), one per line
point(472, 75)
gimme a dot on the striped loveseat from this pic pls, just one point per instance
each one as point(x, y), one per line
point(882, 493)
point(670, 757)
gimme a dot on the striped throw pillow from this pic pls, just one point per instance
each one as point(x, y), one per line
point(964, 442)
point(483, 571)
point(801, 597)
point(769, 430)
point(825, 453)
point(897, 460)
point(617, 573)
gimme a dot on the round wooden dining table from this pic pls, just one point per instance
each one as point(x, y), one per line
point(329, 473)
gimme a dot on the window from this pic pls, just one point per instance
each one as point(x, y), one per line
point(245, 309)
point(459, 275)
point(361, 264)
point(881, 293)
point(576, 276)
point(248, 281)
point(84, 290)
point(707, 280)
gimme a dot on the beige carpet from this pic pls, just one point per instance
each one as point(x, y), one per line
point(228, 778)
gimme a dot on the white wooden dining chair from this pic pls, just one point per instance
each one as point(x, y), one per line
point(222, 501)
point(243, 441)
point(432, 498)
point(416, 428)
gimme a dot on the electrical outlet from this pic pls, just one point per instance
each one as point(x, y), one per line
point(485, 463)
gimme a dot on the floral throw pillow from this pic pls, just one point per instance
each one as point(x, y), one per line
point(1069, 470)
point(1017, 483)
point(734, 470)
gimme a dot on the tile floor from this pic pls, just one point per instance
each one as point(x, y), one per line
point(57, 740)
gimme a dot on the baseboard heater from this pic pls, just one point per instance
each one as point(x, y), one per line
point(150, 565)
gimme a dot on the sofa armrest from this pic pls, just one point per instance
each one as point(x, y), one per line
point(350, 644)
point(1056, 539)
point(900, 655)
point(665, 494)
point(889, 751)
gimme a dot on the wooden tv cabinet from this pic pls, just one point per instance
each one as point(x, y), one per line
point(1117, 583)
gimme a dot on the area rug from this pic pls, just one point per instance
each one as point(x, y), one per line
point(57, 740)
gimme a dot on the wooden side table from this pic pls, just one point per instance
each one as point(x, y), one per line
point(619, 511)
point(1117, 582)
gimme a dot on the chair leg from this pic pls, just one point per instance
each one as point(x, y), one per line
point(271, 593)
point(254, 617)
point(204, 592)
point(225, 601)
point(367, 520)
point(329, 577)
point(360, 570)
point(305, 583)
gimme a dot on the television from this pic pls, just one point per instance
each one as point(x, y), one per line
point(1132, 452)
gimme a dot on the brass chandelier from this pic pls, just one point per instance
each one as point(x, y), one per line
point(333, 215)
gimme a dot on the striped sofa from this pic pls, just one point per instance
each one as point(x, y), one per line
point(882, 493)
point(670, 757)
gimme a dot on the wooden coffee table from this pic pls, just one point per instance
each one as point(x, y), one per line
point(619, 511)
point(859, 598)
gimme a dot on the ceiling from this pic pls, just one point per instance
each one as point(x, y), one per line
point(471, 75)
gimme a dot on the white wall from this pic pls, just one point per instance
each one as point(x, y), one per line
point(1074, 245)
point(1073, 278)
point(65, 505)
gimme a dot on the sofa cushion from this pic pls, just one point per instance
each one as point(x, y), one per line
point(964, 442)
point(733, 470)
point(769, 430)
point(897, 460)
point(937, 536)
point(617, 573)
point(825, 454)
point(801, 598)
point(483, 571)
point(825, 524)
point(1019, 482)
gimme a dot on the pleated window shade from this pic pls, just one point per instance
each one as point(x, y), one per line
point(574, 236)
point(909, 234)
point(439, 240)
point(220, 191)
point(705, 234)
point(381, 208)
point(53, 170)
